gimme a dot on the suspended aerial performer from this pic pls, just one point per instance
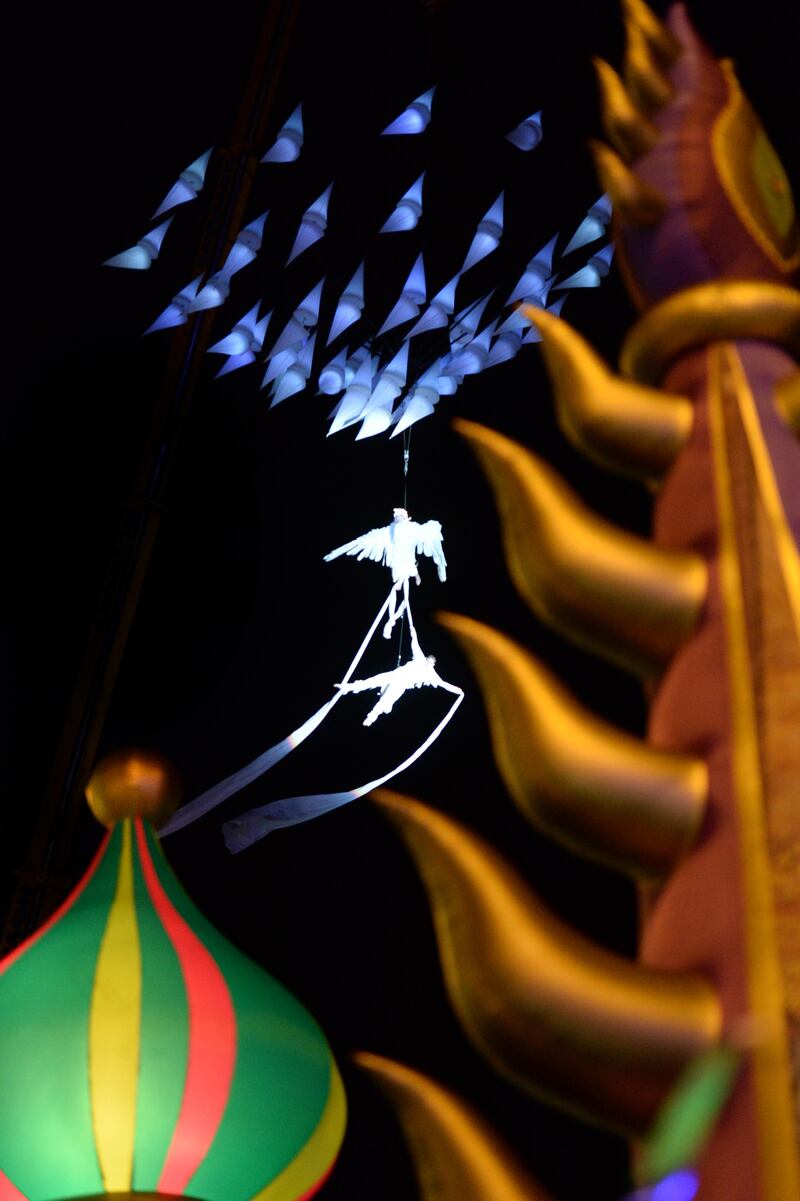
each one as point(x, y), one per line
point(417, 672)
point(397, 546)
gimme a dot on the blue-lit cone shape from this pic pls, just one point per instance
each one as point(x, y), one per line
point(412, 296)
point(487, 235)
point(592, 275)
point(313, 224)
point(246, 247)
point(279, 363)
point(377, 413)
point(289, 142)
point(507, 343)
point(593, 225)
point(414, 119)
point(188, 185)
point(466, 323)
point(176, 310)
point(354, 401)
point(534, 281)
point(407, 212)
point(332, 377)
point(350, 306)
point(304, 318)
point(146, 250)
point(449, 380)
point(439, 311)
point(295, 378)
point(421, 401)
point(528, 134)
point(471, 360)
point(243, 343)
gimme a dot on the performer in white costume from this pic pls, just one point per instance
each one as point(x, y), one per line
point(397, 546)
point(417, 672)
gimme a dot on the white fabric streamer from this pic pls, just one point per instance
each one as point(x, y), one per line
point(257, 767)
point(243, 831)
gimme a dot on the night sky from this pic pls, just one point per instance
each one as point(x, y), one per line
point(242, 629)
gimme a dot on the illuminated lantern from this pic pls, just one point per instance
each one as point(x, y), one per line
point(508, 341)
point(593, 225)
point(187, 186)
point(407, 212)
point(141, 1053)
point(412, 296)
point(350, 306)
point(243, 252)
point(487, 235)
point(145, 252)
point(313, 224)
point(555, 308)
point(528, 134)
point(415, 118)
point(289, 142)
point(278, 363)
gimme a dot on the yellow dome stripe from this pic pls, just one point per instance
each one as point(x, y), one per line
point(114, 1031)
point(301, 1178)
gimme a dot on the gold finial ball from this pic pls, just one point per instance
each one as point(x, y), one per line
point(133, 784)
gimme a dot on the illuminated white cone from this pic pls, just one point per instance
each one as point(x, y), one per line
point(592, 274)
point(295, 378)
point(350, 306)
point(412, 296)
point(245, 248)
point(289, 142)
point(487, 235)
point(313, 224)
point(536, 277)
point(188, 184)
point(421, 401)
point(176, 310)
point(415, 118)
point(528, 134)
point(407, 212)
point(438, 311)
point(471, 360)
point(466, 323)
point(593, 226)
point(145, 252)
point(304, 318)
point(354, 401)
point(332, 376)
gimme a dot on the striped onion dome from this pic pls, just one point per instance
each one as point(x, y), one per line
point(141, 1053)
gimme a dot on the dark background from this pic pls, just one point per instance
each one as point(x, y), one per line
point(242, 629)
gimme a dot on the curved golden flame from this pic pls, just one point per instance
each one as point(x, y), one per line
point(560, 1017)
point(625, 427)
point(594, 788)
point(627, 128)
point(608, 590)
point(635, 202)
point(458, 1157)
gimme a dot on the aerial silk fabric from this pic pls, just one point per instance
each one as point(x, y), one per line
point(141, 1051)
point(292, 810)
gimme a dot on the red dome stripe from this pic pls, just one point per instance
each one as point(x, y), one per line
point(212, 1038)
point(9, 1191)
point(63, 909)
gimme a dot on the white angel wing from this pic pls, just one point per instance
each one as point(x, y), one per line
point(375, 545)
point(428, 535)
